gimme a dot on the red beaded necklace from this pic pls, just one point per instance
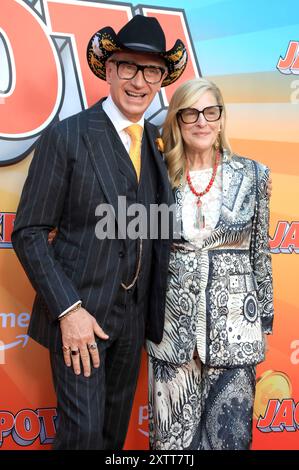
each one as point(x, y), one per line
point(200, 218)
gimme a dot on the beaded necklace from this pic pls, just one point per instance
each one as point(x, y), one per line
point(199, 216)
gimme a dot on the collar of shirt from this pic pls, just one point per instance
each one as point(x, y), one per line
point(119, 121)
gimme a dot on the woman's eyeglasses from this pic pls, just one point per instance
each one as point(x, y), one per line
point(191, 115)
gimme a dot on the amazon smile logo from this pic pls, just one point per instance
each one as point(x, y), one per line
point(8, 323)
point(20, 339)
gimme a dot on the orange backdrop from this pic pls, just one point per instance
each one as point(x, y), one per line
point(44, 75)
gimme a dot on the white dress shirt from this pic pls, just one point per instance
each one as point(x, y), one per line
point(120, 121)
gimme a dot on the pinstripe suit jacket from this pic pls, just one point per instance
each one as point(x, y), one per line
point(74, 169)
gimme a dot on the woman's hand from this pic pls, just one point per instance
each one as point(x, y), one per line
point(52, 235)
point(269, 186)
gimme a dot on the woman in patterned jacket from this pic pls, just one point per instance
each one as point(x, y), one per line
point(219, 304)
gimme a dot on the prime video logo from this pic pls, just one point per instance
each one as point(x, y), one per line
point(11, 321)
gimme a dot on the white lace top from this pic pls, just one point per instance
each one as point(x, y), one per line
point(211, 205)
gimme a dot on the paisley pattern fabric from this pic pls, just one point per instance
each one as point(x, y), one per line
point(219, 304)
point(196, 407)
point(234, 324)
point(219, 297)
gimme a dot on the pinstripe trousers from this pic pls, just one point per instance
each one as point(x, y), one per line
point(94, 412)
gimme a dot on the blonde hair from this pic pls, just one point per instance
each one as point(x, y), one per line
point(184, 97)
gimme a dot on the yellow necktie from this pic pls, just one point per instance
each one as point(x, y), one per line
point(135, 132)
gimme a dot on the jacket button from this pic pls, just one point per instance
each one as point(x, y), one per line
point(121, 254)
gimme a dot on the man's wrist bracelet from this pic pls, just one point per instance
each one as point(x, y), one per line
point(70, 312)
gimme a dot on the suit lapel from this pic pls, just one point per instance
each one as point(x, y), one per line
point(164, 185)
point(101, 151)
point(234, 187)
point(232, 181)
point(104, 154)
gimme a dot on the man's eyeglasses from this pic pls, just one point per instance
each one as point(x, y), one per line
point(191, 115)
point(127, 70)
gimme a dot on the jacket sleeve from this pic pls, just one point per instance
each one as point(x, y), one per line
point(260, 249)
point(39, 211)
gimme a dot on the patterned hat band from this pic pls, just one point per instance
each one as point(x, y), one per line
point(106, 42)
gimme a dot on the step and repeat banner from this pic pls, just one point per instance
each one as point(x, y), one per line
point(250, 49)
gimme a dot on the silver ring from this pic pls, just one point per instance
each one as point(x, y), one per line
point(92, 346)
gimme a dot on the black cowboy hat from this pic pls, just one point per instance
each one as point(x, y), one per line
point(140, 34)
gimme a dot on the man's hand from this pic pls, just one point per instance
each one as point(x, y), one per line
point(78, 338)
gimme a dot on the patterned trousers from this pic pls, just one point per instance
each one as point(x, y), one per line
point(196, 407)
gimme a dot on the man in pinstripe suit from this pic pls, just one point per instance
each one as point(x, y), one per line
point(93, 304)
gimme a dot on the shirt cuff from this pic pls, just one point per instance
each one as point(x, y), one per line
point(79, 302)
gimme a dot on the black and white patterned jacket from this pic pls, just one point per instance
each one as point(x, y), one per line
point(220, 297)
